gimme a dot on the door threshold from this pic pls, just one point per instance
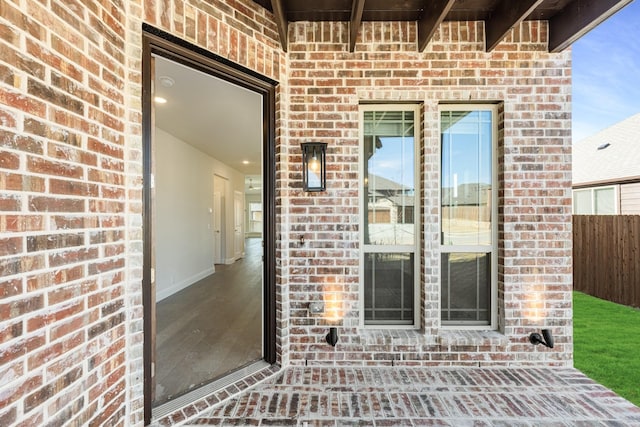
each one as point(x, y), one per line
point(187, 399)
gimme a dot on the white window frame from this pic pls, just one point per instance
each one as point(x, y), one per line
point(415, 248)
point(592, 193)
point(493, 322)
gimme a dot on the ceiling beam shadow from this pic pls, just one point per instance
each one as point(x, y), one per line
point(357, 7)
point(578, 18)
point(505, 16)
point(281, 22)
point(433, 14)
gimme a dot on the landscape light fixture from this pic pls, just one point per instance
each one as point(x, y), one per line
point(545, 339)
point(332, 336)
point(314, 166)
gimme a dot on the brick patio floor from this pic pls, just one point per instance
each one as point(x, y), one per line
point(400, 396)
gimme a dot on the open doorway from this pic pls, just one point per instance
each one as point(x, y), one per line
point(208, 282)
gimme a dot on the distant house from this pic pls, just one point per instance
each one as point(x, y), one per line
point(606, 171)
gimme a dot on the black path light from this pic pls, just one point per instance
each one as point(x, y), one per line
point(332, 336)
point(545, 339)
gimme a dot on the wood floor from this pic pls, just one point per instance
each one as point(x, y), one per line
point(210, 328)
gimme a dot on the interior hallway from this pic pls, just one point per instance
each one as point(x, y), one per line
point(210, 328)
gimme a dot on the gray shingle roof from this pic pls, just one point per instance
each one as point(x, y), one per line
point(619, 161)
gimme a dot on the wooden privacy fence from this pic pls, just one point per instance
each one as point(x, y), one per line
point(606, 257)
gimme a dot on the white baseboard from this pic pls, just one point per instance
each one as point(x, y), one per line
point(164, 293)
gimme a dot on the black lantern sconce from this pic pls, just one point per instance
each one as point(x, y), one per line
point(314, 166)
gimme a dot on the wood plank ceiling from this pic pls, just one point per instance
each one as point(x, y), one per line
point(568, 19)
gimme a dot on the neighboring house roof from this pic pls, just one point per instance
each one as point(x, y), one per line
point(617, 162)
point(476, 194)
point(391, 190)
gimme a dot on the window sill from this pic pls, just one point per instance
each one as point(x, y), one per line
point(457, 337)
point(404, 337)
point(445, 338)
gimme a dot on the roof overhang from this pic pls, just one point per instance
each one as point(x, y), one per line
point(568, 19)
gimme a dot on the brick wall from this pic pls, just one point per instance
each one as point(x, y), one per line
point(71, 182)
point(63, 179)
point(532, 87)
point(71, 177)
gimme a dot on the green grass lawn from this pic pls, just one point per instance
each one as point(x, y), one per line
point(607, 344)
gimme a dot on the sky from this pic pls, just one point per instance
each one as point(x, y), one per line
point(606, 73)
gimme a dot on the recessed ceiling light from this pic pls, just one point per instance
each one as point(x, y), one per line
point(160, 100)
point(245, 162)
point(166, 81)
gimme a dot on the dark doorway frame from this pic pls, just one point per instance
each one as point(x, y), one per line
point(157, 42)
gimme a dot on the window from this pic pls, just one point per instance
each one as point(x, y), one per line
point(388, 223)
point(255, 217)
point(468, 215)
point(595, 201)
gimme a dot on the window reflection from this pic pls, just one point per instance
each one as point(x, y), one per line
point(466, 177)
point(390, 174)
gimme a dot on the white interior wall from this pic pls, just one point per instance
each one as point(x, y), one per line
point(183, 208)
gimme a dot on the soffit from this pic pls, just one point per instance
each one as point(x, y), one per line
point(568, 19)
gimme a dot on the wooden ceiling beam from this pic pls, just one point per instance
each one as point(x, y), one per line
point(433, 14)
point(578, 18)
point(357, 7)
point(504, 17)
point(281, 22)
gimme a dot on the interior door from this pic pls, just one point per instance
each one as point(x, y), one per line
point(238, 228)
point(217, 228)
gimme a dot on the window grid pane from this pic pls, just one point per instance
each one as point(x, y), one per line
point(389, 281)
point(466, 288)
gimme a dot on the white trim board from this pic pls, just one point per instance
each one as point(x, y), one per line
point(176, 287)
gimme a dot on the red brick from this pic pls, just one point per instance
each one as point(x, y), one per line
point(48, 391)
point(52, 351)
point(16, 265)
point(19, 182)
point(73, 256)
point(10, 203)
point(75, 222)
point(19, 348)
point(10, 246)
point(10, 332)
point(51, 204)
point(45, 166)
point(15, 223)
point(101, 147)
point(8, 416)
point(17, 308)
point(75, 324)
point(74, 290)
point(9, 160)
point(54, 315)
point(73, 188)
point(10, 287)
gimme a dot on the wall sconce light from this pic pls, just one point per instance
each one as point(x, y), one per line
point(314, 166)
point(546, 338)
point(332, 336)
